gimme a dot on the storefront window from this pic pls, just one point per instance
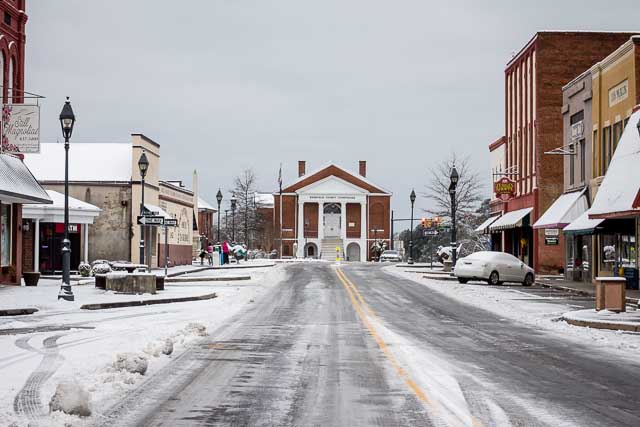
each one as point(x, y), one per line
point(5, 235)
point(608, 255)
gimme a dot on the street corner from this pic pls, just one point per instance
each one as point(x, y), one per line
point(628, 321)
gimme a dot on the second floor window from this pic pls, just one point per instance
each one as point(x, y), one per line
point(583, 162)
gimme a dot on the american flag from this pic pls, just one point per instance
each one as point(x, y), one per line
point(280, 176)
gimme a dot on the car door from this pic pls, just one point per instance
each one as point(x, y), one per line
point(508, 272)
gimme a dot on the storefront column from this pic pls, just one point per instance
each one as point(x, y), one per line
point(36, 246)
point(300, 235)
point(85, 228)
point(320, 221)
point(343, 222)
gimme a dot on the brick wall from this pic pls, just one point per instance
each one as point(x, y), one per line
point(311, 220)
point(353, 217)
point(178, 254)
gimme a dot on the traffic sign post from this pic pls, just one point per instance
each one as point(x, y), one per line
point(150, 220)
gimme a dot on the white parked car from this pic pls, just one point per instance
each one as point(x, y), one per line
point(494, 267)
point(390, 255)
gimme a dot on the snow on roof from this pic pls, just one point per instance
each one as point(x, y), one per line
point(17, 183)
point(79, 211)
point(482, 228)
point(326, 165)
point(203, 205)
point(582, 225)
point(563, 210)
point(87, 162)
point(621, 183)
point(264, 200)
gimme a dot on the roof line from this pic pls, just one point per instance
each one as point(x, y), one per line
point(326, 165)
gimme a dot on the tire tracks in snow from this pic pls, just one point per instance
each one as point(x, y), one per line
point(27, 402)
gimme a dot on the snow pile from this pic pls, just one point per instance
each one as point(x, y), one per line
point(134, 363)
point(155, 348)
point(71, 398)
point(193, 328)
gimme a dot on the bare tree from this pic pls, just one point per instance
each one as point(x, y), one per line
point(245, 213)
point(468, 190)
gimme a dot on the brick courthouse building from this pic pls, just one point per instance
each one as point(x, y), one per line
point(332, 208)
point(533, 126)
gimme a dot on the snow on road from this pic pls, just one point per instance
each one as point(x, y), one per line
point(543, 313)
point(85, 344)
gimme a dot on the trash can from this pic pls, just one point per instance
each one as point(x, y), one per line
point(217, 255)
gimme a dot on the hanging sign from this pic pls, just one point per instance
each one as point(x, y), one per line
point(504, 188)
point(20, 128)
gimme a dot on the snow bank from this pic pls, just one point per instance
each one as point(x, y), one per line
point(134, 363)
point(71, 398)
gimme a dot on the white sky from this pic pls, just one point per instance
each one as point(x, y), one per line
point(226, 85)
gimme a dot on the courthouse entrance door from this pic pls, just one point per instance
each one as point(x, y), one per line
point(332, 220)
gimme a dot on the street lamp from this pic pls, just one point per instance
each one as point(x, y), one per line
point(219, 199)
point(453, 177)
point(412, 197)
point(67, 120)
point(233, 219)
point(143, 166)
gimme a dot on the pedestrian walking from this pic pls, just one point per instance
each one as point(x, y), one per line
point(210, 253)
point(225, 252)
point(203, 253)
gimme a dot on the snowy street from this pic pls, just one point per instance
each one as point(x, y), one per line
point(358, 345)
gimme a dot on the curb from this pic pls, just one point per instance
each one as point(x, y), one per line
point(205, 279)
point(602, 325)
point(106, 305)
point(438, 277)
point(580, 292)
point(17, 311)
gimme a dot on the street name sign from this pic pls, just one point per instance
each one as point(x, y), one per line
point(171, 222)
point(150, 220)
point(429, 232)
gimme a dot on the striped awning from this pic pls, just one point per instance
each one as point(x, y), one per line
point(483, 228)
point(510, 220)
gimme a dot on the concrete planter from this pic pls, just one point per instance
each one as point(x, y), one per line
point(31, 278)
point(159, 283)
point(136, 283)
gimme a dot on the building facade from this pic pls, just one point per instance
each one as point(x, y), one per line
point(533, 126)
point(332, 213)
point(115, 187)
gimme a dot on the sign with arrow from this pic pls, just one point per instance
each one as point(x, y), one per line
point(431, 232)
point(150, 220)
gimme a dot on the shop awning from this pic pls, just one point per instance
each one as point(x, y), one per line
point(482, 228)
point(156, 210)
point(511, 219)
point(564, 210)
point(582, 225)
point(619, 193)
point(17, 184)
point(79, 212)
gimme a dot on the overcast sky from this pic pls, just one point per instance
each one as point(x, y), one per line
point(228, 85)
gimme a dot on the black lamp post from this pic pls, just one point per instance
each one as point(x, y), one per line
point(453, 177)
point(143, 166)
point(412, 197)
point(67, 120)
point(233, 219)
point(226, 223)
point(219, 199)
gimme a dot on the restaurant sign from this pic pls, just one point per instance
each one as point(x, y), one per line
point(504, 188)
point(20, 128)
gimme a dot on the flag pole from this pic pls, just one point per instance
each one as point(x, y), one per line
point(280, 185)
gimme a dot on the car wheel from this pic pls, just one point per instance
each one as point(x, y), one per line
point(462, 280)
point(494, 278)
point(528, 280)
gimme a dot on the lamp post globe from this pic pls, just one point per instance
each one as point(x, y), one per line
point(67, 121)
point(219, 199)
point(233, 218)
point(143, 167)
point(412, 197)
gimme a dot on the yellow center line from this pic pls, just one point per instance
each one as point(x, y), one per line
point(359, 304)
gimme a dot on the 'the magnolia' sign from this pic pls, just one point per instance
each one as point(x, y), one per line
point(504, 188)
point(20, 128)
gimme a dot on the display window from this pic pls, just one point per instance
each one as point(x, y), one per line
point(5, 235)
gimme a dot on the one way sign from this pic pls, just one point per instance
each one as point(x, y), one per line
point(150, 220)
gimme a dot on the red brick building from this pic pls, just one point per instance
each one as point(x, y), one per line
point(332, 209)
point(533, 125)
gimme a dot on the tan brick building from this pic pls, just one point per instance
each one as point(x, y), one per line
point(533, 125)
point(329, 209)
